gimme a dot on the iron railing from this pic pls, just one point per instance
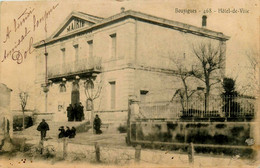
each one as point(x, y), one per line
point(74, 67)
point(227, 106)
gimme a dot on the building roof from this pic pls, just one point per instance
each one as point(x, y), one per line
point(90, 18)
point(86, 14)
point(4, 88)
point(101, 22)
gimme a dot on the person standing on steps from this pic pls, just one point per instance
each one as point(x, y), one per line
point(77, 112)
point(70, 113)
point(43, 127)
point(74, 112)
point(81, 111)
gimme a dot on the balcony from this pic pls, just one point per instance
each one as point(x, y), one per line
point(82, 68)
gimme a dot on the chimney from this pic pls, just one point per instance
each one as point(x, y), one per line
point(204, 21)
point(122, 9)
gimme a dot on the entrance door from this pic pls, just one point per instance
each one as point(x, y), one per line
point(75, 94)
point(74, 97)
point(74, 114)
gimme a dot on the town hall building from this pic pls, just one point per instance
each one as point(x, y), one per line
point(101, 62)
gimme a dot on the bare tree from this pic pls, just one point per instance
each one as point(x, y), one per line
point(210, 62)
point(182, 72)
point(23, 95)
point(253, 72)
point(92, 93)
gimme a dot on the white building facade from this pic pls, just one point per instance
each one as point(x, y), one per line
point(127, 54)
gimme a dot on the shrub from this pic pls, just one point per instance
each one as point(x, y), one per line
point(219, 126)
point(122, 128)
point(232, 109)
point(236, 131)
point(196, 125)
point(165, 137)
point(201, 136)
point(179, 138)
point(133, 131)
point(220, 139)
point(18, 122)
point(199, 113)
point(171, 126)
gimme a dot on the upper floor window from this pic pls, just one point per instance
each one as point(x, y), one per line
point(112, 94)
point(62, 88)
point(76, 48)
point(143, 94)
point(113, 45)
point(63, 50)
point(90, 48)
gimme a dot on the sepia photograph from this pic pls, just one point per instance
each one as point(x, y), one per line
point(129, 83)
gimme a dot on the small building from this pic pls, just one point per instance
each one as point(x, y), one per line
point(6, 117)
point(100, 62)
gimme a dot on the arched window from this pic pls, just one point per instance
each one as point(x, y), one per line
point(62, 88)
point(89, 104)
point(75, 86)
point(89, 84)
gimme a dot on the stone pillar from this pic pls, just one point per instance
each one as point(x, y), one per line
point(191, 153)
point(97, 151)
point(255, 128)
point(133, 109)
point(65, 147)
point(138, 153)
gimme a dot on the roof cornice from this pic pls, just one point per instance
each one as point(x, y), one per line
point(143, 17)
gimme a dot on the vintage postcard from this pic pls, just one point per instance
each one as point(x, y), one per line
point(129, 83)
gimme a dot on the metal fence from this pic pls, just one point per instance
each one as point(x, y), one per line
point(228, 106)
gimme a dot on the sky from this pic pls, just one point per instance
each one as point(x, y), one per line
point(243, 28)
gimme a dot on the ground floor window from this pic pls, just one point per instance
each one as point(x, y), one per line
point(112, 94)
point(89, 105)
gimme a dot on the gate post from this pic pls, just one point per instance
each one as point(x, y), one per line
point(191, 153)
point(133, 108)
point(255, 127)
point(97, 150)
point(65, 148)
point(138, 153)
point(41, 146)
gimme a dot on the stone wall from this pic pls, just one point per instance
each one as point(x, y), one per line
point(207, 133)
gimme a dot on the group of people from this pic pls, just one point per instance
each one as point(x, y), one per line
point(43, 127)
point(75, 112)
point(70, 133)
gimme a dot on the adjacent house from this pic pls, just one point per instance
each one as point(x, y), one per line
point(100, 62)
point(6, 116)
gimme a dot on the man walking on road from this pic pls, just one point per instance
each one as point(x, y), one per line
point(43, 127)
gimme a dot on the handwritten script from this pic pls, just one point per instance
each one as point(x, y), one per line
point(21, 31)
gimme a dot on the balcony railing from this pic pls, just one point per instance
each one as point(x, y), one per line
point(75, 67)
